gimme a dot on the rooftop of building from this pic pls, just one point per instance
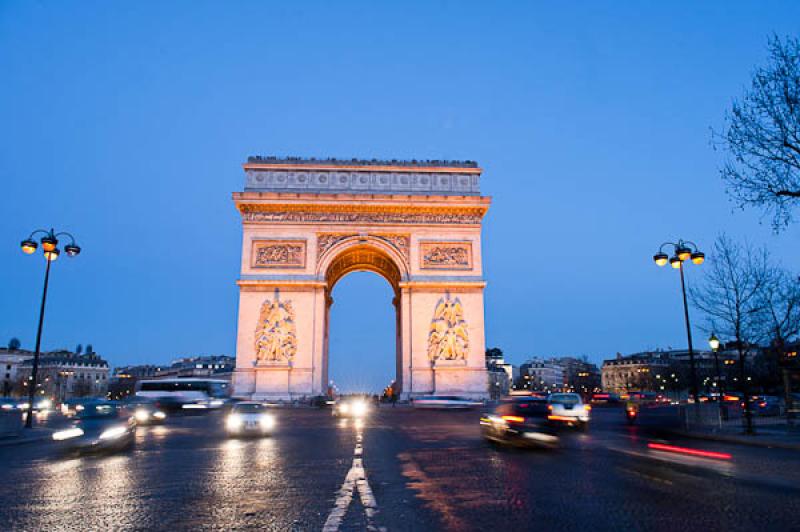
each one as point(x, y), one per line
point(332, 161)
point(68, 357)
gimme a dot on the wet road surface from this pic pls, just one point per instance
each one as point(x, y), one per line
point(399, 470)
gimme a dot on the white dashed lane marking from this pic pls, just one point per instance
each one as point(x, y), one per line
point(355, 480)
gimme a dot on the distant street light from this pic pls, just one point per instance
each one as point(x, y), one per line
point(50, 250)
point(713, 342)
point(683, 250)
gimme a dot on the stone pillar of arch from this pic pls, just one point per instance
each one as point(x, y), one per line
point(307, 224)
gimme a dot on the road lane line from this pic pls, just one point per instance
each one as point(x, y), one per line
point(354, 480)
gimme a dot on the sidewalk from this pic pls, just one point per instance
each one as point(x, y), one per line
point(780, 437)
point(27, 436)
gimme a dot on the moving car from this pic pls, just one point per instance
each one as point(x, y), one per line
point(100, 426)
point(768, 405)
point(147, 413)
point(357, 407)
point(520, 421)
point(569, 409)
point(604, 398)
point(323, 401)
point(444, 401)
point(250, 418)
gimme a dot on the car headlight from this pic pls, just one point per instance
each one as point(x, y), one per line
point(344, 408)
point(67, 434)
point(267, 421)
point(359, 408)
point(159, 414)
point(141, 415)
point(113, 432)
point(234, 422)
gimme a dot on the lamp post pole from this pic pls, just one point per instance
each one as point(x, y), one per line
point(692, 369)
point(713, 342)
point(35, 367)
point(49, 246)
point(683, 251)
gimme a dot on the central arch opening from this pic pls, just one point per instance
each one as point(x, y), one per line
point(362, 321)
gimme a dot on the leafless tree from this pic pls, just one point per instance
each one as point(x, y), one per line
point(730, 297)
point(731, 290)
point(762, 136)
point(780, 316)
point(779, 307)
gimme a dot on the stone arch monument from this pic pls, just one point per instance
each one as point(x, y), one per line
point(307, 223)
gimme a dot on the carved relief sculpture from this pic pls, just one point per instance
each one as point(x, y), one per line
point(326, 241)
point(400, 242)
point(275, 337)
point(448, 338)
point(446, 255)
point(279, 254)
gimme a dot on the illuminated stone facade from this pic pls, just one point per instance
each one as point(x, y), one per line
point(308, 223)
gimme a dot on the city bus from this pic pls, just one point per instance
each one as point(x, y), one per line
point(188, 393)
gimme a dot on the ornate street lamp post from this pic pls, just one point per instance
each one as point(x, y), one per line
point(51, 252)
point(683, 250)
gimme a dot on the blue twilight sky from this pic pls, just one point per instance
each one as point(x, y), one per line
point(126, 123)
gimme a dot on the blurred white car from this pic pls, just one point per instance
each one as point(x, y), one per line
point(444, 401)
point(568, 408)
point(357, 407)
point(250, 417)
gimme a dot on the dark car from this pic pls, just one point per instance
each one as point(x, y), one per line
point(146, 412)
point(520, 421)
point(768, 405)
point(100, 426)
point(323, 401)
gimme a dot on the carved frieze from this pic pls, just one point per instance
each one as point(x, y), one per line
point(401, 243)
point(363, 181)
point(448, 338)
point(275, 335)
point(446, 255)
point(469, 217)
point(326, 241)
point(278, 254)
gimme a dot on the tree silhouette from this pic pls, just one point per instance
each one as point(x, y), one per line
point(14, 344)
point(762, 136)
point(79, 349)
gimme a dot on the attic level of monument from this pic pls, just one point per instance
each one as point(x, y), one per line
point(357, 176)
point(312, 161)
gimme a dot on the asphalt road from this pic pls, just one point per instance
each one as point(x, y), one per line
point(400, 470)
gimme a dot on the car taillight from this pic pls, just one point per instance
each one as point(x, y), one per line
point(762, 405)
point(513, 419)
point(550, 408)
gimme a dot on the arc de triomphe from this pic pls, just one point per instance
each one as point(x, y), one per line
point(307, 223)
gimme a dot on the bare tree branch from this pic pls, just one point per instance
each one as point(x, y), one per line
point(731, 294)
point(762, 137)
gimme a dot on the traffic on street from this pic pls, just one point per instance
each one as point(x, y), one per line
point(396, 468)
